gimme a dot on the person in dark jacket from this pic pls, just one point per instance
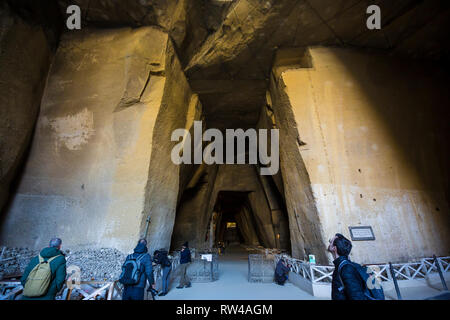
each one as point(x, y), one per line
point(185, 259)
point(281, 272)
point(161, 257)
point(57, 266)
point(136, 292)
point(346, 284)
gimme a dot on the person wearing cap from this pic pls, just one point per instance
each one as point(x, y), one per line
point(185, 260)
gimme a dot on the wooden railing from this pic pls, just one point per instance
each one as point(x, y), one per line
point(403, 271)
point(87, 290)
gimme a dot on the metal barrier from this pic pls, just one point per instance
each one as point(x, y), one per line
point(201, 270)
point(261, 268)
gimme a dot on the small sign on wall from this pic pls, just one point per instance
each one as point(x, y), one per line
point(361, 233)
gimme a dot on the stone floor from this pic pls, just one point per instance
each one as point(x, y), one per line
point(419, 293)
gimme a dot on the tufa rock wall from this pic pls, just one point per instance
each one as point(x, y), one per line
point(25, 57)
point(109, 96)
point(179, 108)
point(372, 152)
point(304, 225)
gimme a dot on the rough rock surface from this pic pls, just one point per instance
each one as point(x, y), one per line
point(243, 48)
point(45, 14)
point(165, 179)
point(14, 260)
point(100, 264)
point(24, 61)
point(113, 98)
point(95, 264)
point(95, 134)
point(373, 152)
point(305, 231)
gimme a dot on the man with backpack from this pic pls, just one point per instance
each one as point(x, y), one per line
point(185, 259)
point(161, 257)
point(136, 271)
point(45, 274)
point(351, 281)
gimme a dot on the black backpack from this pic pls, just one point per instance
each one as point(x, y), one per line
point(157, 257)
point(131, 270)
point(372, 289)
point(160, 257)
point(166, 262)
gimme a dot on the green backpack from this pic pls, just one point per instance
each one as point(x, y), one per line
point(39, 279)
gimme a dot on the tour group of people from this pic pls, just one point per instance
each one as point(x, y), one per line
point(137, 270)
point(45, 275)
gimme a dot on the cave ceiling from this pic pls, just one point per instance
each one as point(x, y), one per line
point(227, 47)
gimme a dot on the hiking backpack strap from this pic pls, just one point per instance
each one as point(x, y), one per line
point(138, 260)
point(41, 259)
point(343, 262)
point(53, 258)
point(341, 265)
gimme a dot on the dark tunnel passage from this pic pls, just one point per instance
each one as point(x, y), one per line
point(233, 220)
point(232, 204)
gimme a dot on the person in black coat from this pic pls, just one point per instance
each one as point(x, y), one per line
point(161, 257)
point(136, 292)
point(281, 272)
point(185, 260)
point(346, 284)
